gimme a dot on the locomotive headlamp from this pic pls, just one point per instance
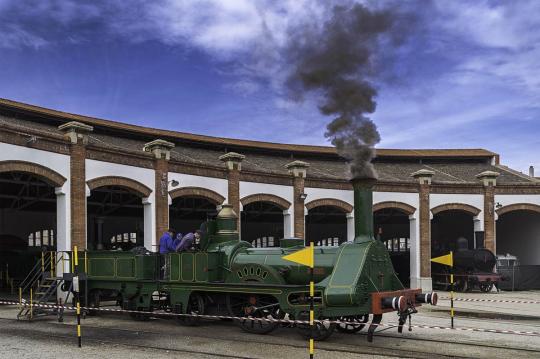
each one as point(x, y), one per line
point(303, 196)
point(174, 183)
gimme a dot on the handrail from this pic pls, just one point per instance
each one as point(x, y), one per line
point(37, 275)
point(30, 275)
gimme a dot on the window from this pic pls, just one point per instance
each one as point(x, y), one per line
point(397, 245)
point(328, 242)
point(264, 242)
point(41, 238)
point(124, 238)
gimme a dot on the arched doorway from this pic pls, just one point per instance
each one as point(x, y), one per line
point(115, 213)
point(518, 233)
point(392, 226)
point(452, 228)
point(191, 206)
point(186, 214)
point(326, 226)
point(262, 219)
point(28, 215)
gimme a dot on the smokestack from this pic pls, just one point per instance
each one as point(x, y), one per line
point(363, 208)
point(531, 171)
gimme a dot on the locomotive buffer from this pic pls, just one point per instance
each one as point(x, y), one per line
point(306, 257)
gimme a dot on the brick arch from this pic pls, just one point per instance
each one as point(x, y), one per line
point(404, 207)
point(347, 208)
point(266, 197)
point(518, 207)
point(198, 192)
point(135, 186)
point(46, 174)
point(456, 206)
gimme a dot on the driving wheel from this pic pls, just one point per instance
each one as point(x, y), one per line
point(259, 311)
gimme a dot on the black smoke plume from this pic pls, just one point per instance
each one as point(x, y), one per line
point(337, 61)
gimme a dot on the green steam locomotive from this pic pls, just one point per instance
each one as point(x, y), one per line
point(226, 276)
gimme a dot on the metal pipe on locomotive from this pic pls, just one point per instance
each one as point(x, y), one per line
point(227, 276)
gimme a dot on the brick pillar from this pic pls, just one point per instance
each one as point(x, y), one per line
point(77, 133)
point(424, 184)
point(162, 152)
point(489, 180)
point(298, 170)
point(233, 162)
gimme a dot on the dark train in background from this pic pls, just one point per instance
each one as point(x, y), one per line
point(473, 268)
point(227, 276)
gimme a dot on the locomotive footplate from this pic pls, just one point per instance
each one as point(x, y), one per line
point(398, 300)
point(404, 302)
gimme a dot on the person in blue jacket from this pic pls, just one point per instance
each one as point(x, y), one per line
point(166, 243)
point(176, 242)
point(188, 240)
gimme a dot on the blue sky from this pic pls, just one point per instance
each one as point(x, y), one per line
point(466, 75)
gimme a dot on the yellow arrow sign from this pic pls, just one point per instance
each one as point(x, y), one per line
point(304, 256)
point(447, 260)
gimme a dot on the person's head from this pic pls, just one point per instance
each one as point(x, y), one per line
point(197, 234)
point(170, 231)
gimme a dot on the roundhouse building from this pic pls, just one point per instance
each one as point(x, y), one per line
point(68, 180)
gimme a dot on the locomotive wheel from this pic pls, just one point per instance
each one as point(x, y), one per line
point(321, 331)
point(254, 306)
point(94, 301)
point(195, 306)
point(486, 287)
point(355, 323)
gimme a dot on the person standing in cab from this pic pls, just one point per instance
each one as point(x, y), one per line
point(188, 240)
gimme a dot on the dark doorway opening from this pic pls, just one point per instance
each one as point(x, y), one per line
point(392, 227)
point(450, 230)
point(262, 224)
point(326, 226)
point(115, 219)
point(518, 234)
point(27, 224)
point(186, 214)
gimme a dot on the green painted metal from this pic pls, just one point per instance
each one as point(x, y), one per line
point(363, 209)
point(345, 276)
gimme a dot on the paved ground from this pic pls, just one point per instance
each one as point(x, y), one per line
point(497, 310)
point(122, 337)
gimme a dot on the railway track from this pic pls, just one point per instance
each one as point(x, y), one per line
point(385, 345)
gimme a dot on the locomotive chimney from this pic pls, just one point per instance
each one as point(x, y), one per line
point(531, 171)
point(363, 208)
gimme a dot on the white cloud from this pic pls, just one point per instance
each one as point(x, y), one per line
point(14, 36)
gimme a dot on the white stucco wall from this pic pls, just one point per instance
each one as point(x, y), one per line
point(475, 200)
point(319, 193)
point(508, 199)
point(218, 185)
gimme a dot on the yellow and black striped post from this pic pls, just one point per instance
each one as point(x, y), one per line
point(452, 294)
point(77, 295)
point(306, 257)
point(448, 260)
point(311, 305)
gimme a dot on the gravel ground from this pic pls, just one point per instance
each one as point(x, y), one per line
point(117, 336)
